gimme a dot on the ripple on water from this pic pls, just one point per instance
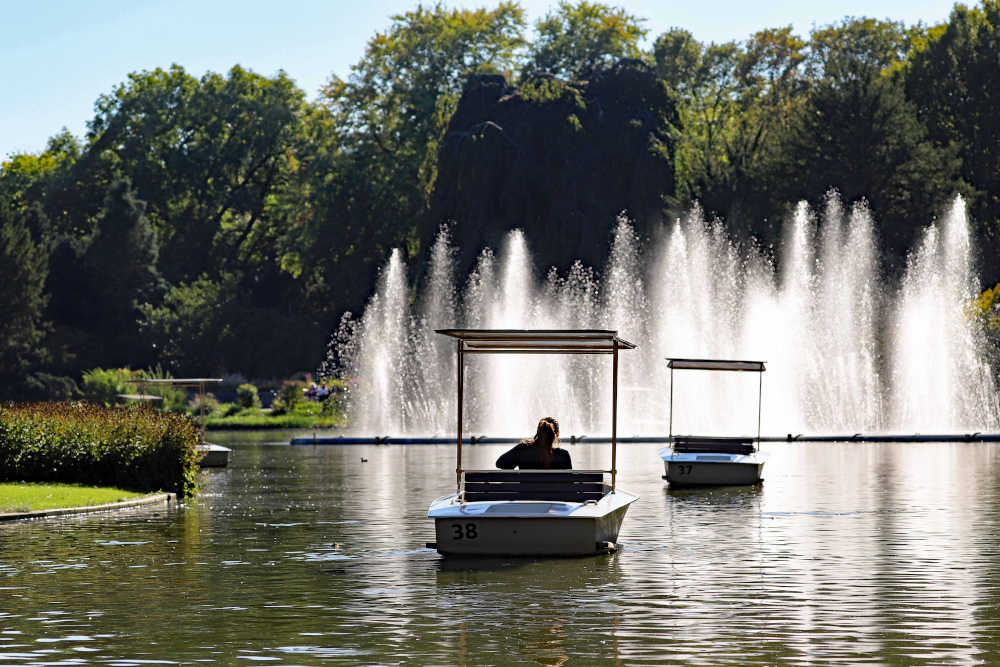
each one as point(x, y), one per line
point(840, 556)
point(323, 651)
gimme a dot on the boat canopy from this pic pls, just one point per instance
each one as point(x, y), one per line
point(716, 365)
point(538, 341)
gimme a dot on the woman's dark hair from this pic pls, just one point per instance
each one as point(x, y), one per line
point(545, 437)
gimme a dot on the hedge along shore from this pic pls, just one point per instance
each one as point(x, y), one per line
point(60, 511)
point(134, 447)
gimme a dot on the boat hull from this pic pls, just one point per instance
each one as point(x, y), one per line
point(528, 528)
point(714, 474)
point(713, 469)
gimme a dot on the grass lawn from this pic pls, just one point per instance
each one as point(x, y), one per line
point(237, 422)
point(28, 497)
point(305, 416)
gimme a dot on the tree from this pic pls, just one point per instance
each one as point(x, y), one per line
point(574, 40)
point(373, 165)
point(215, 326)
point(37, 181)
point(735, 102)
point(953, 80)
point(216, 162)
point(208, 157)
point(559, 159)
point(23, 269)
point(399, 97)
point(857, 133)
point(36, 218)
point(120, 263)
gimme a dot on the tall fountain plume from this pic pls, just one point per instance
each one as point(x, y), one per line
point(377, 355)
point(845, 352)
point(433, 359)
point(939, 374)
point(695, 313)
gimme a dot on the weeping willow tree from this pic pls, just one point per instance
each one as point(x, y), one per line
point(558, 159)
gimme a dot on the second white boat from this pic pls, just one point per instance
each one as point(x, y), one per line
point(713, 461)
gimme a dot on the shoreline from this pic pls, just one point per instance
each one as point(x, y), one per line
point(61, 511)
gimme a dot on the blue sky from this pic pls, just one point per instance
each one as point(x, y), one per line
point(58, 56)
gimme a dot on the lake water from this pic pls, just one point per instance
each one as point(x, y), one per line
point(848, 553)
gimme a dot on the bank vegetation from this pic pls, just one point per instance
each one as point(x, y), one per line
point(134, 448)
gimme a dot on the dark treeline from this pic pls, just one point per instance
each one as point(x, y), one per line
point(223, 224)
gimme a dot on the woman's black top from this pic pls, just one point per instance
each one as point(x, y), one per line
point(528, 457)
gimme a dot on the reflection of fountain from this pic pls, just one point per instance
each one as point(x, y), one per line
point(845, 352)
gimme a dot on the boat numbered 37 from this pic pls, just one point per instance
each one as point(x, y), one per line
point(713, 461)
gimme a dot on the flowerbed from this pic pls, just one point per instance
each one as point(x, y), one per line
point(82, 443)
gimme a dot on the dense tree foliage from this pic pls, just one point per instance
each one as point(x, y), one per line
point(951, 77)
point(23, 269)
point(574, 40)
point(736, 103)
point(225, 223)
point(372, 165)
point(554, 157)
point(856, 132)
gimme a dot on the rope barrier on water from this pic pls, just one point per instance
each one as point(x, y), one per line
point(577, 439)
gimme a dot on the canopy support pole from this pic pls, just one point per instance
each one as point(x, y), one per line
point(670, 423)
point(614, 414)
point(461, 392)
point(760, 399)
point(201, 408)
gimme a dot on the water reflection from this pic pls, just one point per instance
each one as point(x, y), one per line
point(295, 555)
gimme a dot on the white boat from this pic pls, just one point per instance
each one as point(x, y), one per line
point(532, 512)
point(713, 461)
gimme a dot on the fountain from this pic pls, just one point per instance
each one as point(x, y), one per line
point(846, 351)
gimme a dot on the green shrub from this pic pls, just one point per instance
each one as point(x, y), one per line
point(335, 403)
point(232, 409)
point(246, 396)
point(207, 405)
point(133, 447)
point(172, 398)
point(45, 386)
point(289, 396)
point(103, 385)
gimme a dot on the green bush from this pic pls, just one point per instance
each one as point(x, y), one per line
point(173, 398)
point(289, 396)
point(103, 385)
point(133, 447)
point(207, 403)
point(246, 396)
point(232, 409)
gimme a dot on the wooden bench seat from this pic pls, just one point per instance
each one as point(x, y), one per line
point(568, 486)
point(713, 445)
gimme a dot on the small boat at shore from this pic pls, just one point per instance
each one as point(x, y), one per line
point(532, 512)
point(691, 460)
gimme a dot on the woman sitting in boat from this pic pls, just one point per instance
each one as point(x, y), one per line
point(540, 452)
